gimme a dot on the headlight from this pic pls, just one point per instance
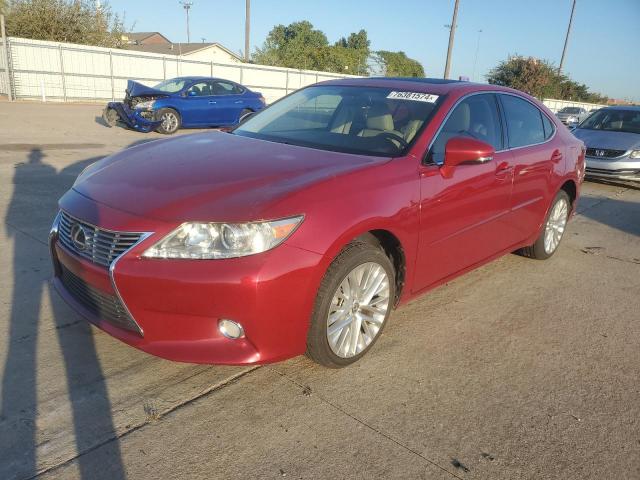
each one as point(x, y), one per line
point(145, 105)
point(635, 154)
point(223, 240)
point(572, 119)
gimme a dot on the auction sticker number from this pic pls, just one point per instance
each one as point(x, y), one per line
point(415, 96)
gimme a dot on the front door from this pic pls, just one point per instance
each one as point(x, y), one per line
point(464, 218)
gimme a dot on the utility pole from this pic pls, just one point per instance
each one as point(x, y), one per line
point(187, 6)
point(247, 30)
point(475, 60)
point(452, 33)
point(566, 39)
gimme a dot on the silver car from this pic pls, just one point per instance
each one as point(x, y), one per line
point(572, 115)
point(612, 138)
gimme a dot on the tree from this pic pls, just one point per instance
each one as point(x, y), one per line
point(297, 45)
point(540, 78)
point(75, 21)
point(397, 64)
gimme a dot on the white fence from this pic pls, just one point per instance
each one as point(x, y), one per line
point(556, 105)
point(56, 71)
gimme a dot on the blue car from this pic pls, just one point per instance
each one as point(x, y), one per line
point(189, 102)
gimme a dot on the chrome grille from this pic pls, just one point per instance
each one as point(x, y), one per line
point(604, 153)
point(100, 246)
point(102, 305)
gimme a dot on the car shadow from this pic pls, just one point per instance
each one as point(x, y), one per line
point(37, 187)
point(616, 183)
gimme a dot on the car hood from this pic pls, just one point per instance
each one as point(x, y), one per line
point(211, 176)
point(135, 89)
point(608, 139)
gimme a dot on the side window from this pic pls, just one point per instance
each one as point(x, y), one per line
point(200, 89)
point(524, 121)
point(475, 117)
point(225, 88)
point(548, 127)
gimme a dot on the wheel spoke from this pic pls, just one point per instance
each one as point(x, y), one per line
point(358, 309)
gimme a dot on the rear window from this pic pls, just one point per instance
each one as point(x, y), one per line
point(524, 122)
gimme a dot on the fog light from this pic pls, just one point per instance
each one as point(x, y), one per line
point(230, 329)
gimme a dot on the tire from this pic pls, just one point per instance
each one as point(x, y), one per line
point(335, 297)
point(171, 121)
point(543, 248)
point(245, 111)
point(110, 117)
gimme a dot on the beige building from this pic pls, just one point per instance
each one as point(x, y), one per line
point(155, 42)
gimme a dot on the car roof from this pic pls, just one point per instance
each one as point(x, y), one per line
point(195, 77)
point(437, 86)
point(633, 108)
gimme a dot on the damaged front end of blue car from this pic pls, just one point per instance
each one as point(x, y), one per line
point(136, 119)
point(136, 110)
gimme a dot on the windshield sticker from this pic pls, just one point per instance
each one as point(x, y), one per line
point(415, 96)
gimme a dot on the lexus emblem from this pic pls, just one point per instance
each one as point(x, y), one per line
point(78, 237)
point(599, 153)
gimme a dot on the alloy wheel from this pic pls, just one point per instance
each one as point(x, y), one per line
point(556, 224)
point(358, 309)
point(169, 121)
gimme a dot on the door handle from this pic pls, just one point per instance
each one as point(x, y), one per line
point(211, 102)
point(238, 101)
point(556, 156)
point(503, 169)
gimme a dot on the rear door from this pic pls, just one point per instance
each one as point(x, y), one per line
point(229, 101)
point(535, 154)
point(463, 219)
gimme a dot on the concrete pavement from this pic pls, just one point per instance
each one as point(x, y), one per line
point(521, 369)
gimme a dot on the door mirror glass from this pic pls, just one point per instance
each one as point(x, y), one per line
point(467, 151)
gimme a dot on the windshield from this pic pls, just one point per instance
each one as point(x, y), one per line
point(363, 120)
point(570, 110)
point(614, 121)
point(171, 86)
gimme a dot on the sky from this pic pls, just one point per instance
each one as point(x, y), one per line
point(602, 52)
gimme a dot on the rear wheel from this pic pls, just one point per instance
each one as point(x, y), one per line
point(244, 113)
point(352, 306)
point(170, 121)
point(553, 230)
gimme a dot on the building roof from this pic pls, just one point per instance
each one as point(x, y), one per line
point(141, 36)
point(178, 48)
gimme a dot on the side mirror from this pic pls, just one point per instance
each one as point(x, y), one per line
point(465, 151)
point(190, 93)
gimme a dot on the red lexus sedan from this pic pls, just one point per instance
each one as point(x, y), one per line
point(303, 228)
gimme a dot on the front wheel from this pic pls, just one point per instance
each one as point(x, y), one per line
point(352, 306)
point(170, 121)
point(553, 230)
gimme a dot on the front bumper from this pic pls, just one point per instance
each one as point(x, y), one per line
point(614, 169)
point(178, 303)
point(133, 118)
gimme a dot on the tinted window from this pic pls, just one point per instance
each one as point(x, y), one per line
point(200, 89)
point(475, 117)
point(614, 120)
point(225, 88)
point(524, 121)
point(548, 127)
